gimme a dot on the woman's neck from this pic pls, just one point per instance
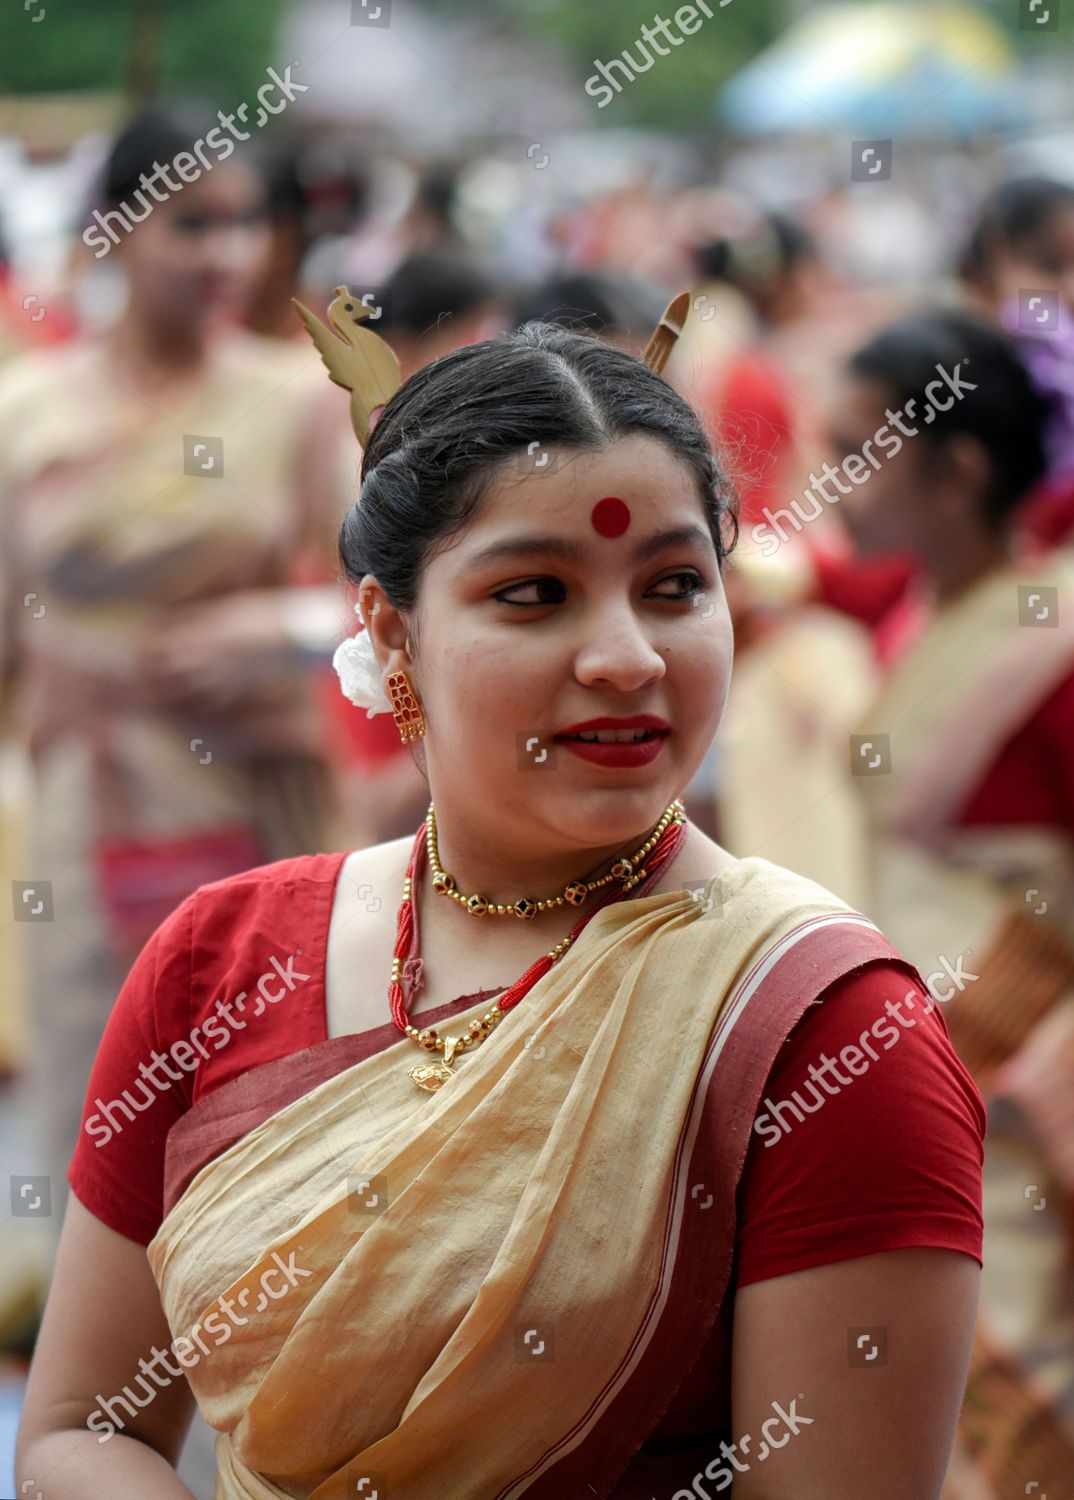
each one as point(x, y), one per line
point(956, 569)
point(160, 355)
point(504, 875)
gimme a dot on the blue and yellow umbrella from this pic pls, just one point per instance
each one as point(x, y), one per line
point(879, 70)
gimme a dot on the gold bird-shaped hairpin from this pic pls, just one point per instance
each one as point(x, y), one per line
point(360, 361)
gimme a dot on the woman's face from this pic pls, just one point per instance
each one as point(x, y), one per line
point(891, 509)
point(200, 248)
point(1042, 262)
point(516, 648)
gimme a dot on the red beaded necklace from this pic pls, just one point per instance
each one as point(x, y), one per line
point(432, 1075)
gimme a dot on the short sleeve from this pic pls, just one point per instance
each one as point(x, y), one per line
point(869, 1135)
point(135, 1092)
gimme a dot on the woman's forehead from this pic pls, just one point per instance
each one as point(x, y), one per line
point(624, 497)
point(635, 526)
point(632, 468)
point(229, 183)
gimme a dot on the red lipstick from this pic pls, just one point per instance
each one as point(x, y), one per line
point(622, 753)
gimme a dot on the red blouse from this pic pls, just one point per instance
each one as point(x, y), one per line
point(235, 977)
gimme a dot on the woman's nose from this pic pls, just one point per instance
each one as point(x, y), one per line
point(620, 652)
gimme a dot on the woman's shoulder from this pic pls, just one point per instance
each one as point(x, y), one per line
point(869, 1134)
point(221, 927)
point(233, 923)
point(777, 904)
point(31, 374)
point(274, 879)
point(879, 1008)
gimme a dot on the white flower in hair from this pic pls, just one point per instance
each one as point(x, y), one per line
point(359, 673)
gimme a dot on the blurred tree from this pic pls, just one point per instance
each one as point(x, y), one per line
point(678, 90)
point(215, 49)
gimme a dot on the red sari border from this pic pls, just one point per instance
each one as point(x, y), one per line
point(238, 1106)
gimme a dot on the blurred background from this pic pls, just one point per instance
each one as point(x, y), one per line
point(861, 199)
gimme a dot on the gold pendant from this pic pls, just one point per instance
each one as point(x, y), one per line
point(433, 1076)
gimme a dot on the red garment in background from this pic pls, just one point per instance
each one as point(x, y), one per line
point(354, 739)
point(1046, 516)
point(867, 589)
point(33, 320)
point(750, 409)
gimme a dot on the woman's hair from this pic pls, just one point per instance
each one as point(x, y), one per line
point(1004, 412)
point(601, 302)
point(1015, 214)
point(318, 188)
point(430, 285)
point(755, 259)
point(153, 136)
point(455, 424)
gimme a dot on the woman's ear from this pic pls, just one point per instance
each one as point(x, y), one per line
point(969, 471)
point(387, 626)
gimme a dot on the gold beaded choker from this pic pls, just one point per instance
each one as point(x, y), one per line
point(573, 894)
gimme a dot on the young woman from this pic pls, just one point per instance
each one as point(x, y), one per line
point(159, 483)
point(971, 819)
point(571, 1188)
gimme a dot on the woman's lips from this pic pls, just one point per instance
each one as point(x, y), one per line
point(620, 753)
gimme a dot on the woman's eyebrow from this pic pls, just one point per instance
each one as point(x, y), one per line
point(557, 546)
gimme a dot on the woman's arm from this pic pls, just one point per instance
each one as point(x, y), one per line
point(103, 1315)
point(866, 1360)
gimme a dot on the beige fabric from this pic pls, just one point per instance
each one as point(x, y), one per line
point(785, 791)
point(971, 681)
point(531, 1192)
point(13, 785)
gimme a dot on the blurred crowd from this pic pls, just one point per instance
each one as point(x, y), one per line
point(174, 465)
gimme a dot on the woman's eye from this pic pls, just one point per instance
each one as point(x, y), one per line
point(695, 581)
point(531, 583)
point(196, 223)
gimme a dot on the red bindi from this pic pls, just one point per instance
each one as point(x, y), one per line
point(610, 516)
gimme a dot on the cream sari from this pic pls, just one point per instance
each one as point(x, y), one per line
point(496, 1289)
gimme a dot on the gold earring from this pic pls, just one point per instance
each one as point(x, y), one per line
point(409, 719)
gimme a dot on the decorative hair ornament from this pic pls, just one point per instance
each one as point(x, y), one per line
point(359, 361)
point(363, 364)
point(666, 333)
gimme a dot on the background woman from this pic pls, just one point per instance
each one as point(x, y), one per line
point(161, 484)
point(972, 835)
